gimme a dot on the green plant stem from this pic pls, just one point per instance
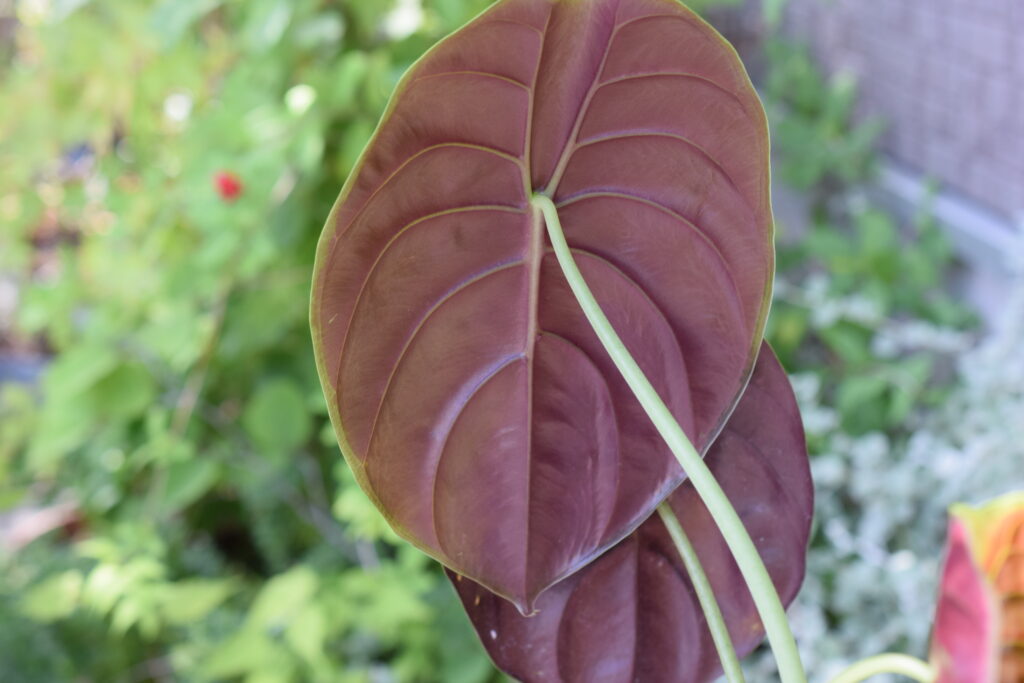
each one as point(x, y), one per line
point(766, 599)
point(904, 665)
point(706, 596)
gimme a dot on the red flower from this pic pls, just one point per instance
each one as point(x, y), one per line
point(228, 185)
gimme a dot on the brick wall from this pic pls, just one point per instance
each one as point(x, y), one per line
point(947, 76)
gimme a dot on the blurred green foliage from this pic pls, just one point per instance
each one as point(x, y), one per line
point(820, 145)
point(855, 273)
point(214, 532)
point(871, 273)
point(217, 533)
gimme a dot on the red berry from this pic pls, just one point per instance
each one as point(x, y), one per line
point(228, 185)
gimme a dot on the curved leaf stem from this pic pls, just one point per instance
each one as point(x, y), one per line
point(706, 596)
point(889, 663)
point(766, 598)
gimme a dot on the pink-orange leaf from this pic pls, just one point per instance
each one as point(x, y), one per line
point(979, 621)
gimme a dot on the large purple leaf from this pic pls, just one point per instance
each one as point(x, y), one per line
point(632, 615)
point(469, 394)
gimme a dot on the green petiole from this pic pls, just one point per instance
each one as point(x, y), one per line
point(708, 603)
point(904, 665)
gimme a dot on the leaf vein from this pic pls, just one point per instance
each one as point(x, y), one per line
point(597, 194)
point(470, 72)
point(402, 231)
point(448, 432)
point(624, 135)
point(419, 327)
point(674, 74)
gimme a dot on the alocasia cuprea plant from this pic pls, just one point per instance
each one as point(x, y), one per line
point(473, 370)
point(544, 283)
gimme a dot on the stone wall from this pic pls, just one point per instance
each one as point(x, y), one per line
point(947, 76)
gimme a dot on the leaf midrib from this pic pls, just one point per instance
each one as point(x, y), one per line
point(534, 256)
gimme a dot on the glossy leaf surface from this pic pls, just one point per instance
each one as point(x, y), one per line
point(632, 614)
point(469, 394)
point(979, 620)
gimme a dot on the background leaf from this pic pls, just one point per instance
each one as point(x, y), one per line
point(979, 618)
point(276, 417)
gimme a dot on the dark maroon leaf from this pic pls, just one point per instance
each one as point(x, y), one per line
point(469, 394)
point(632, 614)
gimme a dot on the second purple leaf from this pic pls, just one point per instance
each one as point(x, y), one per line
point(632, 615)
